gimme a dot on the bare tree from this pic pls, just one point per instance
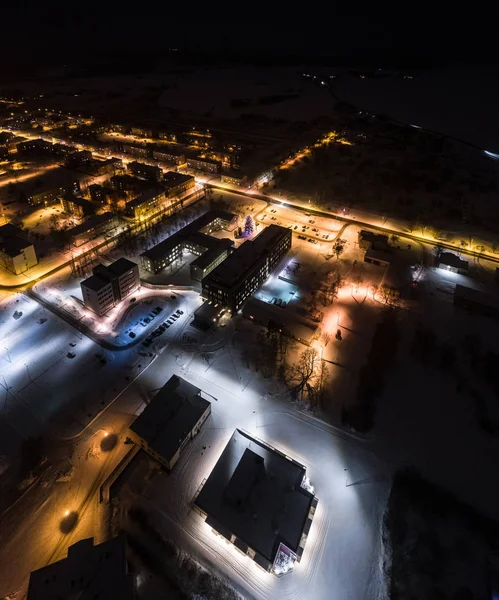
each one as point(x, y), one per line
point(308, 376)
point(339, 247)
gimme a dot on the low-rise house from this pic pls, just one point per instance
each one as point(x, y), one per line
point(172, 418)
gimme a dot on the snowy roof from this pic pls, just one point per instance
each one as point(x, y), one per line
point(191, 231)
point(88, 572)
point(170, 416)
point(255, 493)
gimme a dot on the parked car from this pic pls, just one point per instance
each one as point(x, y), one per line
point(70, 354)
point(132, 334)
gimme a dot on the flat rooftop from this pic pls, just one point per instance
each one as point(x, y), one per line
point(172, 178)
point(91, 223)
point(235, 267)
point(254, 492)
point(121, 266)
point(291, 324)
point(213, 253)
point(87, 573)
point(95, 283)
point(144, 198)
point(191, 231)
point(170, 416)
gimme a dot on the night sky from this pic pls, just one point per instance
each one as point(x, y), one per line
point(360, 31)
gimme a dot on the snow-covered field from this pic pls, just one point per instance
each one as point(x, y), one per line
point(342, 553)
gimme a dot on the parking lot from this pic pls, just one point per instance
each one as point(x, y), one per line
point(304, 225)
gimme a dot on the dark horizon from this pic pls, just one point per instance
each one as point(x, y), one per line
point(365, 36)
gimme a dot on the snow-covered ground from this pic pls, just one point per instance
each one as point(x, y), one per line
point(342, 552)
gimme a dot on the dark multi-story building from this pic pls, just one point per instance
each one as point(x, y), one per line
point(168, 156)
point(177, 183)
point(137, 151)
point(91, 228)
point(204, 164)
point(77, 159)
point(145, 205)
point(98, 193)
point(124, 183)
point(16, 254)
point(79, 207)
point(37, 146)
point(246, 269)
point(145, 171)
point(110, 285)
point(144, 132)
point(46, 197)
point(194, 238)
point(87, 572)
point(172, 418)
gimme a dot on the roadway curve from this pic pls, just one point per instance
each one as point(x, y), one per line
point(367, 225)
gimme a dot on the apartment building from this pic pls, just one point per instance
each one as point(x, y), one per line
point(168, 156)
point(137, 151)
point(145, 205)
point(17, 254)
point(145, 171)
point(177, 183)
point(204, 164)
point(79, 207)
point(247, 268)
point(109, 285)
point(194, 238)
point(172, 418)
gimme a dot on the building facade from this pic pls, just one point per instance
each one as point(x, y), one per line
point(247, 268)
point(204, 164)
point(169, 157)
point(177, 183)
point(145, 171)
point(137, 151)
point(143, 132)
point(79, 207)
point(88, 571)
point(191, 239)
point(91, 228)
point(110, 285)
point(45, 197)
point(17, 255)
point(145, 205)
point(235, 178)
